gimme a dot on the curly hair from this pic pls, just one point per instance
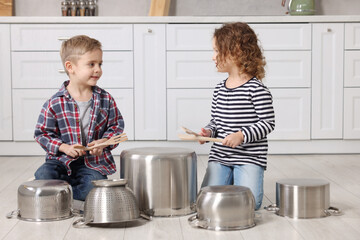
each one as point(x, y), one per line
point(239, 43)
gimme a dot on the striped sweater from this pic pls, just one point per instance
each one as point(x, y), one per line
point(247, 108)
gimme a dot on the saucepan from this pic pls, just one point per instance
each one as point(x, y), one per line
point(224, 208)
point(303, 198)
point(44, 200)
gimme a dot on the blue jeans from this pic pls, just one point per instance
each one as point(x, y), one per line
point(247, 175)
point(80, 178)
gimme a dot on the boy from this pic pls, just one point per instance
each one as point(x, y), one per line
point(80, 113)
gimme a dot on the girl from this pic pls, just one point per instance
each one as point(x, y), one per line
point(242, 112)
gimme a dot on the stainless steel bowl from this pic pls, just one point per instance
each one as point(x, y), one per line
point(164, 180)
point(224, 208)
point(303, 198)
point(110, 201)
point(44, 200)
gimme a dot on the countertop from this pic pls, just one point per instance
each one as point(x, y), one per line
point(186, 19)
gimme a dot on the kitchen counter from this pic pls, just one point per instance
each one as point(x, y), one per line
point(187, 19)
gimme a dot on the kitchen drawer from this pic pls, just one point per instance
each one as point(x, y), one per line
point(352, 69)
point(27, 105)
point(37, 37)
point(288, 69)
point(192, 69)
point(272, 36)
point(189, 108)
point(45, 70)
point(352, 36)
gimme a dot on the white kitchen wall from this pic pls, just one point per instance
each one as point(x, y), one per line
point(188, 7)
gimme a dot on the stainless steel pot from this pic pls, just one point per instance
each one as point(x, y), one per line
point(44, 200)
point(110, 201)
point(164, 180)
point(303, 198)
point(224, 208)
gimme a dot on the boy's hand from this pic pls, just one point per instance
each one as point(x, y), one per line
point(98, 150)
point(71, 151)
point(205, 133)
point(234, 139)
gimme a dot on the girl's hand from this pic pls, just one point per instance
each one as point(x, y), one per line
point(98, 150)
point(204, 133)
point(234, 139)
point(71, 151)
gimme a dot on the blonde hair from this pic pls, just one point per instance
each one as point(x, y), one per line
point(239, 42)
point(76, 46)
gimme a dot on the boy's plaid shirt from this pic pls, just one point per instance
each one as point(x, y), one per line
point(59, 123)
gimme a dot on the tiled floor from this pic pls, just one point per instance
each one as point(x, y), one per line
point(342, 171)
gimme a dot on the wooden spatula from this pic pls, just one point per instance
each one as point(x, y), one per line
point(187, 137)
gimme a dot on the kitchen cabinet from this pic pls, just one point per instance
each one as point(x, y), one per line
point(37, 70)
point(327, 81)
point(352, 113)
point(150, 82)
point(5, 84)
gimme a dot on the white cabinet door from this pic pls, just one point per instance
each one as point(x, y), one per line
point(352, 69)
point(30, 37)
point(124, 99)
point(288, 69)
point(27, 105)
point(352, 36)
point(192, 69)
point(5, 84)
point(45, 70)
point(190, 108)
point(150, 81)
point(327, 81)
point(352, 113)
point(292, 114)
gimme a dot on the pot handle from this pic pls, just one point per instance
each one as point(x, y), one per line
point(77, 212)
point(145, 216)
point(81, 223)
point(12, 214)
point(195, 222)
point(272, 208)
point(333, 211)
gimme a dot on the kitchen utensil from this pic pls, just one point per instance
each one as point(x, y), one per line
point(44, 200)
point(159, 8)
point(188, 131)
point(164, 180)
point(187, 137)
point(303, 198)
point(110, 201)
point(300, 7)
point(224, 208)
point(6, 7)
point(111, 141)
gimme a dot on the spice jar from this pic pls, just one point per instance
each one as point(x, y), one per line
point(82, 8)
point(64, 8)
point(73, 8)
point(92, 8)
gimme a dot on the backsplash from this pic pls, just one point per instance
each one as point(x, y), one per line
point(188, 7)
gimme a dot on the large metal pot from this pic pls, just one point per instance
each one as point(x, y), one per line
point(44, 200)
point(224, 208)
point(303, 198)
point(110, 201)
point(164, 180)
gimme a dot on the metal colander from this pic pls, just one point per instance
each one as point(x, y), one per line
point(110, 201)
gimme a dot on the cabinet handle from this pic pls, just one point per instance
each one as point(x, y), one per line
point(149, 30)
point(61, 71)
point(329, 30)
point(63, 38)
